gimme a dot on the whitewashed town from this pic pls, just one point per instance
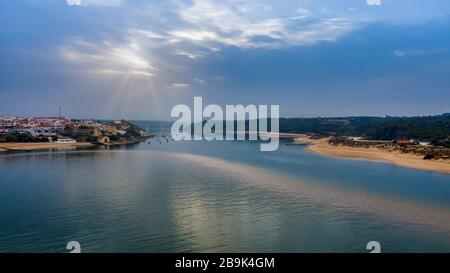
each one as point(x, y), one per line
point(63, 130)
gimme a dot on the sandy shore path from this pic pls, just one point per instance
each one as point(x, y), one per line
point(4, 147)
point(322, 147)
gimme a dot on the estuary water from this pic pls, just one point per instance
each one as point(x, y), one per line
point(225, 196)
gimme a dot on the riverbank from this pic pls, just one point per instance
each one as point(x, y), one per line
point(323, 147)
point(36, 146)
point(10, 147)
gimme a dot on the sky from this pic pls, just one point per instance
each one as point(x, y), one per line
point(137, 59)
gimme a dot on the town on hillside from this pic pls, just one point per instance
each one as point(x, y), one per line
point(66, 130)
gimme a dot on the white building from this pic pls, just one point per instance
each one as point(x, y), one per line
point(66, 141)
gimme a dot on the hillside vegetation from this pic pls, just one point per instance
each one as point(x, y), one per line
point(427, 128)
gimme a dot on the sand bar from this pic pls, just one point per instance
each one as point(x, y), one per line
point(4, 147)
point(322, 147)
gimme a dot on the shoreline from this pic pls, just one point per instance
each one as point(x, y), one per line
point(39, 146)
point(322, 147)
point(17, 147)
point(317, 146)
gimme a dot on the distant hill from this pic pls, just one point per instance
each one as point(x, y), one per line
point(425, 128)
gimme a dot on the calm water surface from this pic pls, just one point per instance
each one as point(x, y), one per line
point(217, 197)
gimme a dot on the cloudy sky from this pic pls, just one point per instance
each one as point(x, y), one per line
point(136, 59)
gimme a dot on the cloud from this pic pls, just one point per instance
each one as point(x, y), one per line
point(183, 31)
point(109, 3)
point(374, 2)
point(147, 33)
point(399, 53)
point(73, 2)
point(106, 58)
point(252, 26)
point(180, 85)
point(193, 35)
point(189, 54)
point(303, 12)
point(325, 30)
point(112, 72)
point(417, 52)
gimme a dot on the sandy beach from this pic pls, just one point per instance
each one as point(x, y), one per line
point(4, 147)
point(322, 147)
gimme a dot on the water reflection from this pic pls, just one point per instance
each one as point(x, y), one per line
point(142, 200)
